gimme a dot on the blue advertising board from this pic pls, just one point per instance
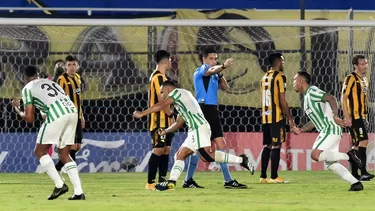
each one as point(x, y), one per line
point(101, 152)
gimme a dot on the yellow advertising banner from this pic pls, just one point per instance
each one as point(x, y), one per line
point(115, 60)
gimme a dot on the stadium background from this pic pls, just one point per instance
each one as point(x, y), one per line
point(116, 86)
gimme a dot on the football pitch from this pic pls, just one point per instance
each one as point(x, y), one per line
point(318, 190)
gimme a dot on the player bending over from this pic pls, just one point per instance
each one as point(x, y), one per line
point(321, 108)
point(198, 139)
point(58, 128)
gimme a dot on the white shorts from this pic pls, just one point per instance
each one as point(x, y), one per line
point(327, 142)
point(198, 138)
point(60, 132)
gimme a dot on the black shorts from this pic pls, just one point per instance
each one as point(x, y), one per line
point(158, 141)
point(358, 131)
point(79, 133)
point(274, 134)
point(211, 114)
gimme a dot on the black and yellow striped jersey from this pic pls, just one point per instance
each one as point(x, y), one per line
point(356, 87)
point(72, 87)
point(158, 119)
point(272, 84)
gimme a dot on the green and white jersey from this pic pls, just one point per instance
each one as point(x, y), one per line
point(48, 97)
point(320, 112)
point(188, 108)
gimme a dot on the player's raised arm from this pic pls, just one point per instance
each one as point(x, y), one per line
point(29, 110)
point(218, 68)
point(155, 108)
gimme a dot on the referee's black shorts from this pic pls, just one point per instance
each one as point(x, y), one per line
point(211, 114)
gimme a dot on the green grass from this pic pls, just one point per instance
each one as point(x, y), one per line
point(125, 191)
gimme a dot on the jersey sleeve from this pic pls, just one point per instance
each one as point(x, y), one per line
point(27, 97)
point(281, 83)
point(157, 81)
point(174, 95)
point(202, 70)
point(317, 94)
point(348, 84)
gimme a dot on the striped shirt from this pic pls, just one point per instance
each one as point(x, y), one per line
point(188, 108)
point(320, 112)
point(48, 97)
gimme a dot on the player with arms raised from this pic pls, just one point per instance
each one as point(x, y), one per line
point(199, 135)
point(58, 128)
point(321, 108)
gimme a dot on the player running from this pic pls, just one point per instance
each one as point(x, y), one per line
point(321, 108)
point(198, 139)
point(59, 128)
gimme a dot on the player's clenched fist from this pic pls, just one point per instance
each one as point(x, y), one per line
point(137, 114)
point(16, 103)
point(161, 132)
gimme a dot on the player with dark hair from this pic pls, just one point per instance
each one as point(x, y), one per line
point(274, 107)
point(321, 108)
point(161, 144)
point(58, 69)
point(70, 81)
point(58, 128)
point(208, 79)
point(354, 103)
point(198, 140)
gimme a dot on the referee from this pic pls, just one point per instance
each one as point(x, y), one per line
point(207, 81)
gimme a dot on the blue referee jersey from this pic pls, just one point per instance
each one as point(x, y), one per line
point(206, 87)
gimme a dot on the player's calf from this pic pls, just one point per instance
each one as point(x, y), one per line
point(223, 157)
point(71, 168)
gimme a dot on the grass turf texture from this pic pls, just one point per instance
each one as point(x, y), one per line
point(318, 190)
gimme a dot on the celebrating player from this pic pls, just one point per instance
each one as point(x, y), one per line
point(199, 135)
point(58, 128)
point(161, 144)
point(70, 81)
point(274, 107)
point(321, 108)
point(354, 103)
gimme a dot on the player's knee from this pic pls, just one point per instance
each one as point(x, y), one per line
point(363, 143)
point(76, 147)
point(158, 151)
point(205, 155)
point(315, 155)
point(167, 150)
point(41, 150)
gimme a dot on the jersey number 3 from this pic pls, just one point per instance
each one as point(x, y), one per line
point(53, 90)
point(266, 97)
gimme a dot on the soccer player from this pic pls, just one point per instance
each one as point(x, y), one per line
point(321, 108)
point(58, 128)
point(274, 107)
point(58, 69)
point(199, 135)
point(70, 81)
point(208, 79)
point(162, 119)
point(354, 103)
